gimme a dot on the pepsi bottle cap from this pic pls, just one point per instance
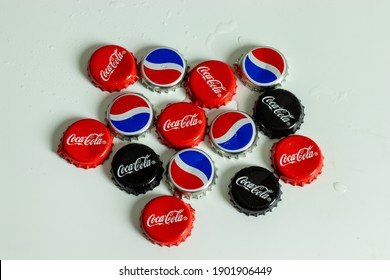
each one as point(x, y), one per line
point(190, 173)
point(136, 169)
point(162, 69)
point(297, 160)
point(181, 125)
point(167, 220)
point(278, 113)
point(211, 84)
point(232, 133)
point(129, 116)
point(261, 68)
point(254, 191)
point(86, 143)
point(112, 68)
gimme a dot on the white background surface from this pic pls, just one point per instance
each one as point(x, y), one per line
point(338, 56)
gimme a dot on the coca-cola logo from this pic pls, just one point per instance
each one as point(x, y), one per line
point(113, 62)
point(186, 121)
point(89, 140)
point(258, 190)
point(303, 154)
point(174, 216)
point(216, 85)
point(139, 164)
point(283, 114)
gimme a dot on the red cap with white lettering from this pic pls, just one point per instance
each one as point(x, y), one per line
point(211, 84)
point(297, 160)
point(86, 143)
point(167, 220)
point(112, 68)
point(181, 125)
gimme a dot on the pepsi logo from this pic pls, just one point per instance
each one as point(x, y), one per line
point(191, 170)
point(130, 114)
point(163, 67)
point(233, 132)
point(264, 66)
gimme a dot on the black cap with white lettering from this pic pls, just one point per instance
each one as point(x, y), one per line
point(136, 169)
point(254, 191)
point(278, 113)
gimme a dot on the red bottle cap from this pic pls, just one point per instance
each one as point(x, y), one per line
point(86, 143)
point(211, 84)
point(167, 220)
point(112, 68)
point(181, 125)
point(297, 160)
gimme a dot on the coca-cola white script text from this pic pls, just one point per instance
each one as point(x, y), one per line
point(174, 216)
point(139, 164)
point(303, 154)
point(186, 121)
point(283, 114)
point(113, 62)
point(261, 191)
point(91, 139)
point(215, 85)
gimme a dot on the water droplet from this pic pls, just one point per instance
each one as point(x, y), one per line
point(117, 4)
point(340, 187)
point(222, 28)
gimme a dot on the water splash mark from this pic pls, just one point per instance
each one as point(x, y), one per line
point(222, 28)
point(339, 187)
point(117, 4)
point(167, 17)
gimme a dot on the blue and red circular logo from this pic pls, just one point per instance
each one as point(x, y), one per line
point(130, 114)
point(233, 132)
point(191, 170)
point(264, 66)
point(163, 67)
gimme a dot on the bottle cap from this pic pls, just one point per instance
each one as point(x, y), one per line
point(86, 143)
point(190, 173)
point(181, 125)
point(167, 220)
point(297, 160)
point(129, 116)
point(112, 68)
point(262, 68)
point(232, 133)
point(254, 191)
point(278, 113)
point(162, 69)
point(136, 169)
point(211, 84)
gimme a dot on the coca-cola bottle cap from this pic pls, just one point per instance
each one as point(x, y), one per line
point(211, 84)
point(233, 133)
point(112, 68)
point(181, 125)
point(129, 116)
point(254, 191)
point(167, 220)
point(86, 143)
point(190, 173)
point(261, 68)
point(278, 113)
point(297, 160)
point(162, 69)
point(136, 169)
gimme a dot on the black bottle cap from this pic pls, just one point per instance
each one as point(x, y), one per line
point(278, 113)
point(254, 191)
point(136, 169)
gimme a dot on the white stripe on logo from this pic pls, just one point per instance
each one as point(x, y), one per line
point(192, 170)
point(263, 65)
